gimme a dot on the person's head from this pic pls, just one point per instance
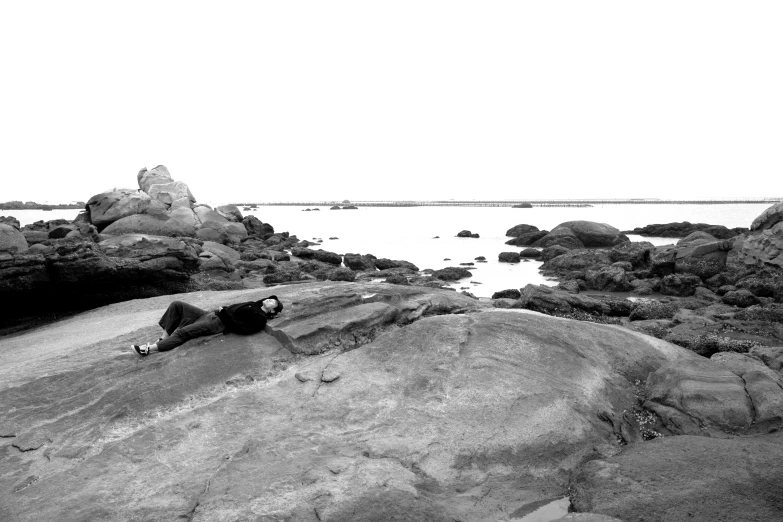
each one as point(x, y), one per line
point(271, 305)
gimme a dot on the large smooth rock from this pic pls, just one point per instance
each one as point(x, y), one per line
point(168, 193)
point(107, 207)
point(549, 300)
point(593, 234)
point(696, 238)
point(466, 417)
point(686, 478)
point(205, 213)
point(608, 279)
point(527, 239)
point(186, 216)
point(685, 228)
point(150, 225)
point(579, 259)
point(637, 253)
point(255, 227)
point(12, 239)
point(157, 176)
point(230, 212)
point(563, 236)
point(216, 255)
point(768, 219)
point(763, 248)
point(519, 230)
point(77, 273)
point(359, 262)
point(700, 398)
point(700, 256)
point(386, 264)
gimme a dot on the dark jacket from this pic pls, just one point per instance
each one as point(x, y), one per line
point(243, 318)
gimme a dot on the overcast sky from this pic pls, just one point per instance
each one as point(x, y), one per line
point(298, 100)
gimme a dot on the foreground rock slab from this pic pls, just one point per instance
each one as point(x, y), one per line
point(465, 413)
point(687, 478)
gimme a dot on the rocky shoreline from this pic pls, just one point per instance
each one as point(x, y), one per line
point(405, 400)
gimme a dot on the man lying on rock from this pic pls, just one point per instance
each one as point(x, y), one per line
point(182, 322)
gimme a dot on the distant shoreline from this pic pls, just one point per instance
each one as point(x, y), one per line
point(510, 203)
point(37, 206)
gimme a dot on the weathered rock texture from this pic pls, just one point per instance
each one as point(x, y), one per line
point(74, 274)
point(466, 416)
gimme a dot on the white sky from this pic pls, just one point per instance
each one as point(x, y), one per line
point(366, 100)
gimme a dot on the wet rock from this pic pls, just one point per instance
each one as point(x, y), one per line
point(552, 252)
point(471, 396)
point(760, 287)
point(527, 239)
point(304, 253)
point(467, 233)
point(592, 234)
point(451, 273)
point(696, 238)
point(662, 260)
point(741, 298)
point(702, 258)
point(386, 264)
point(520, 230)
point(578, 261)
point(646, 309)
point(549, 300)
point(706, 294)
point(327, 257)
point(571, 286)
point(771, 356)
point(699, 399)
point(684, 478)
point(742, 364)
point(511, 293)
point(618, 306)
point(685, 228)
point(509, 257)
point(359, 262)
point(679, 284)
point(608, 279)
point(256, 228)
point(397, 279)
point(636, 253)
point(564, 237)
point(530, 253)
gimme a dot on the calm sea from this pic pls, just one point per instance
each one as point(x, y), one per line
point(425, 236)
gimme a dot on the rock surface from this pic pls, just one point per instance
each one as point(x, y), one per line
point(11, 239)
point(685, 228)
point(465, 417)
point(686, 478)
point(107, 207)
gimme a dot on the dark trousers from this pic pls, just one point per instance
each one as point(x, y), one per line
point(184, 322)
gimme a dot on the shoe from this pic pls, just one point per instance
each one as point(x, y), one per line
point(141, 351)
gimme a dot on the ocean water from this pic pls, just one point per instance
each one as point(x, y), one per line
point(426, 236)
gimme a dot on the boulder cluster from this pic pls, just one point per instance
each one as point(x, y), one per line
point(154, 240)
point(710, 294)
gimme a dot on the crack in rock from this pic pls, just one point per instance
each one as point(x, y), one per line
point(750, 398)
